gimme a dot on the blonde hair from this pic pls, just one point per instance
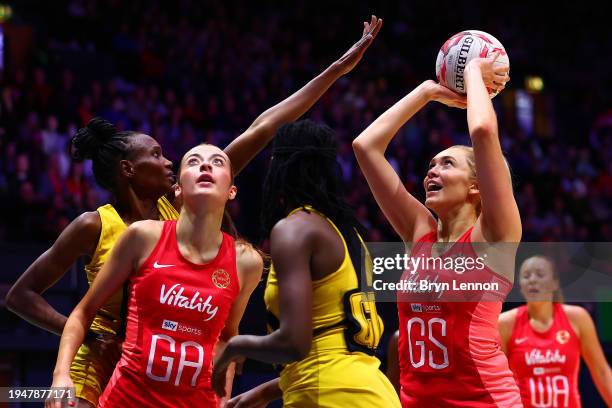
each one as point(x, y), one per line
point(471, 161)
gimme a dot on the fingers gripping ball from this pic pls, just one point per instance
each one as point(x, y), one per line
point(460, 49)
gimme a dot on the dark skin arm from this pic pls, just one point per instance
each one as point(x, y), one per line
point(246, 146)
point(292, 245)
point(130, 251)
point(258, 397)
point(25, 297)
point(393, 372)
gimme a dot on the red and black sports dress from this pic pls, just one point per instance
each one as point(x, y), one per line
point(176, 312)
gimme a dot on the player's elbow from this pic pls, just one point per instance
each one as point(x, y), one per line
point(297, 347)
point(367, 151)
point(483, 130)
point(262, 126)
point(361, 149)
point(297, 352)
point(227, 333)
point(359, 146)
point(13, 298)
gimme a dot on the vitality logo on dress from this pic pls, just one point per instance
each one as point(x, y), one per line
point(173, 296)
point(535, 356)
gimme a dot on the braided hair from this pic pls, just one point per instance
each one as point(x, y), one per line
point(100, 142)
point(304, 171)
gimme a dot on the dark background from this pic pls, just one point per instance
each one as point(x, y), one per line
point(188, 71)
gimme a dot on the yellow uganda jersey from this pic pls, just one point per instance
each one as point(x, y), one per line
point(108, 318)
point(340, 370)
point(91, 368)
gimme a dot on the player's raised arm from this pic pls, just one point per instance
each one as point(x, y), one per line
point(409, 217)
point(500, 219)
point(262, 130)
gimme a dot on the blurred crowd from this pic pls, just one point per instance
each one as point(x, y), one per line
point(186, 73)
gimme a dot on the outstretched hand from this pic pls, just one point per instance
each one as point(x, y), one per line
point(219, 376)
point(350, 58)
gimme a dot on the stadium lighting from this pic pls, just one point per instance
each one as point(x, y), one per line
point(534, 84)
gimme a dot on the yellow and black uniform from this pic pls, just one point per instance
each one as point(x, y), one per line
point(340, 370)
point(90, 370)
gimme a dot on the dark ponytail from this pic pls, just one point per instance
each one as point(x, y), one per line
point(100, 142)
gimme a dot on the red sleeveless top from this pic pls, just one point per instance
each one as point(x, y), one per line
point(449, 351)
point(176, 312)
point(546, 364)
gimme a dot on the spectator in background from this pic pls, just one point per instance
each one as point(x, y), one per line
point(224, 67)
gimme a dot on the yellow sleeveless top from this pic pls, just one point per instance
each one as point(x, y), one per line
point(337, 303)
point(108, 318)
point(340, 369)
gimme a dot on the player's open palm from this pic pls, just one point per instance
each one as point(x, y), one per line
point(348, 61)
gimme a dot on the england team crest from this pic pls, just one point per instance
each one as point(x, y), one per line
point(221, 279)
point(563, 336)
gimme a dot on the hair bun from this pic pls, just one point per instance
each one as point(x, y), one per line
point(89, 139)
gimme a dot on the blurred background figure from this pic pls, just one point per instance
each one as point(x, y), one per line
point(545, 339)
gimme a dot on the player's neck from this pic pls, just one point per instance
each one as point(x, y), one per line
point(541, 312)
point(132, 208)
point(453, 224)
point(199, 235)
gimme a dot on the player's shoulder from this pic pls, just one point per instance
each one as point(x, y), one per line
point(147, 225)
point(81, 235)
point(247, 255)
point(89, 221)
point(249, 263)
point(145, 229)
point(576, 313)
point(508, 318)
point(580, 319)
point(505, 326)
point(302, 226)
point(301, 218)
point(296, 229)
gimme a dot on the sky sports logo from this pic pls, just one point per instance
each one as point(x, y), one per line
point(169, 325)
point(419, 308)
point(181, 328)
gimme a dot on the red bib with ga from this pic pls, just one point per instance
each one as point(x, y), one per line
point(176, 312)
